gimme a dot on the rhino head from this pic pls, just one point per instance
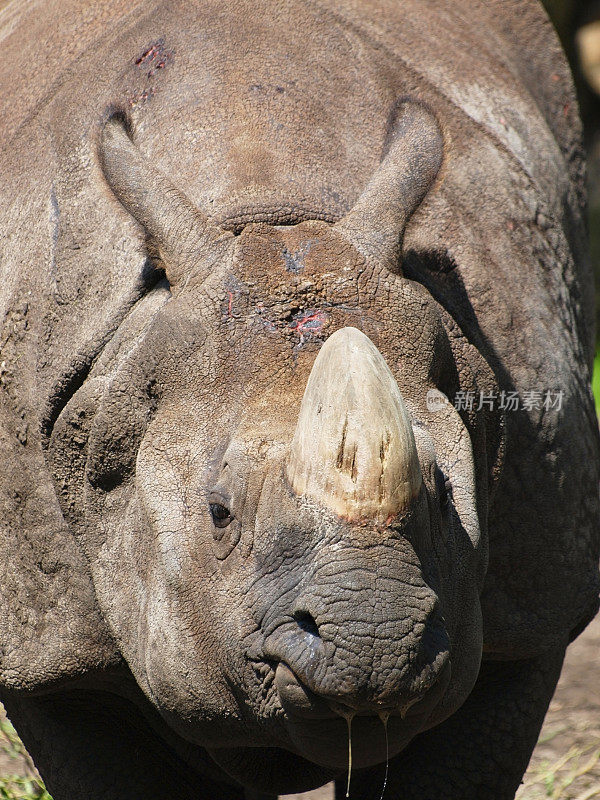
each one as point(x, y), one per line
point(282, 536)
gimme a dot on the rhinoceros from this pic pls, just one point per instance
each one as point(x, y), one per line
point(299, 454)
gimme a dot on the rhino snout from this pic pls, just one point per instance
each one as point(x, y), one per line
point(393, 660)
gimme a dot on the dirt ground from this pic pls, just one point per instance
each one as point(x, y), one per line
point(565, 764)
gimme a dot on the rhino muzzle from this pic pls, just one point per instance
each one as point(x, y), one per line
point(365, 645)
point(365, 635)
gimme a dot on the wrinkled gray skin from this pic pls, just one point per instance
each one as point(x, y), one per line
point(139, 643)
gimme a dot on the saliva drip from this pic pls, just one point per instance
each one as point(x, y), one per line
point(349, 723)
point(348, 715)
point(384, 716)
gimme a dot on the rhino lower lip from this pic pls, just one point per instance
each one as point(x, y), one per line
point(319, 733)
point(299, 701)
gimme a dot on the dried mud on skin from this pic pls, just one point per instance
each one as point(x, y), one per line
point(564, 766)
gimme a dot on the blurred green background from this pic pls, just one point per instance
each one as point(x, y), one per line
point(578, 25)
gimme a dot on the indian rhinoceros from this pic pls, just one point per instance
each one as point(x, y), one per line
point(299, 455)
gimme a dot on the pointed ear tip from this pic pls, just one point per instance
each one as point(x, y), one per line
point(109, 137)
point(117, 126)
point(419, 110)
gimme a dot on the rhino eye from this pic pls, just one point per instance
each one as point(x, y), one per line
point(220, 514)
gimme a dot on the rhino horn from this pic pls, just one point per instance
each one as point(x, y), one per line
point(375, 224)
point(185, 238)
point(353, 450)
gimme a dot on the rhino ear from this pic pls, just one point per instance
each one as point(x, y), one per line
point(375, 224)
point(186, 240)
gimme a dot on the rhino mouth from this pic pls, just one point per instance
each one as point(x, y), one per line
point(317, 741)
point(299, 701)
point(319, 727)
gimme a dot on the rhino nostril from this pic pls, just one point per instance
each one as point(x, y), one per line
point(306, 622)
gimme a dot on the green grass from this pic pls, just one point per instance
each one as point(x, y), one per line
point(13, 786)
point(596, 383)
